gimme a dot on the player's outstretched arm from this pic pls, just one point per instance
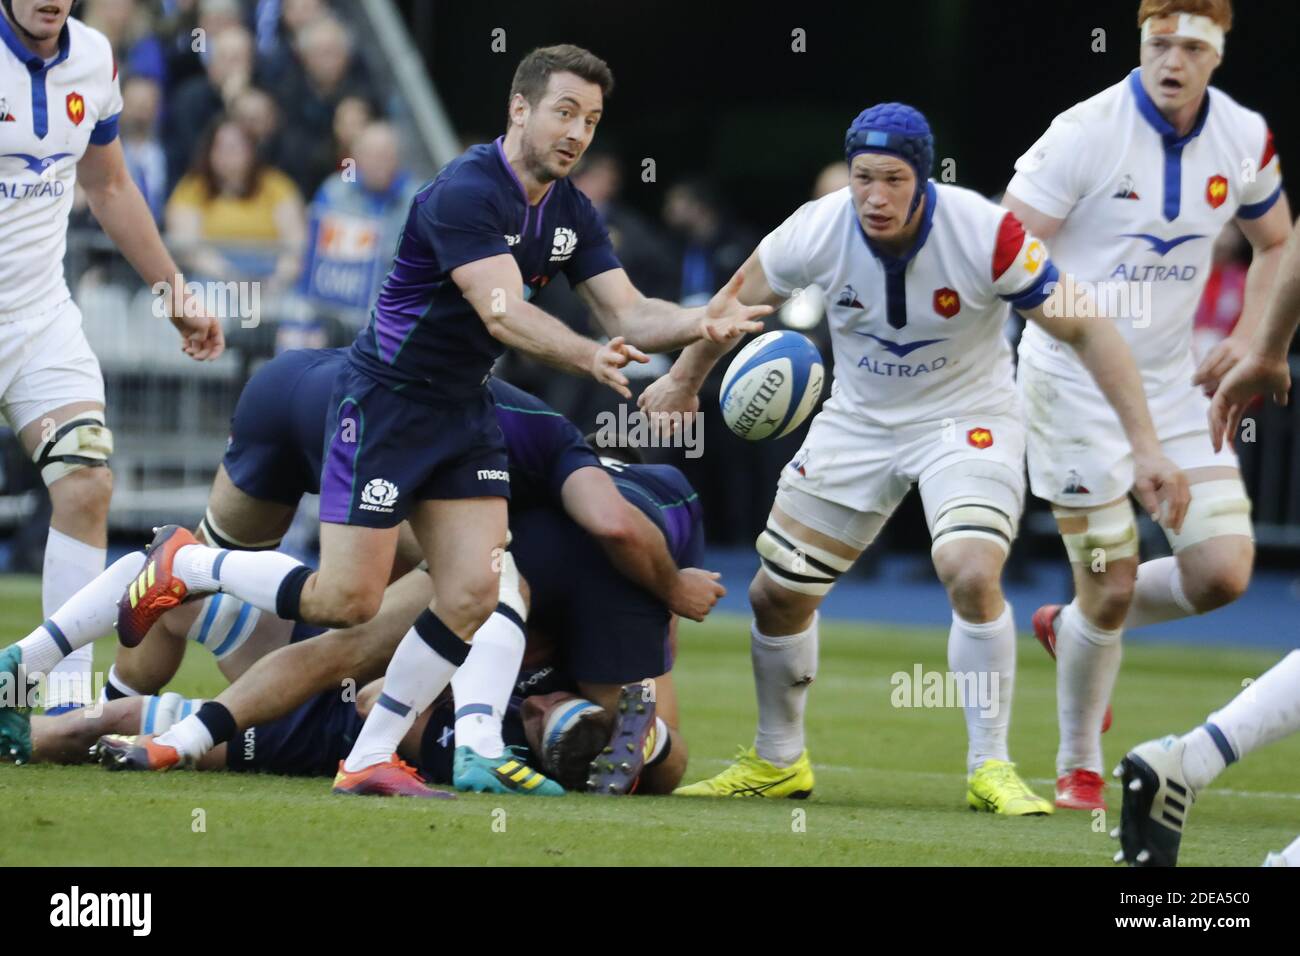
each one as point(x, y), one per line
point(124, 215)
point(1158, 483)
point(1267, 236)
point(1264, 369)
point(678, 390)
point(658, 326)
point(494, 287)
point(635, 546)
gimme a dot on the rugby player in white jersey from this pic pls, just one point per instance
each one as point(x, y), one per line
point(1131, 187)
point(59, 103)
point(917, 276)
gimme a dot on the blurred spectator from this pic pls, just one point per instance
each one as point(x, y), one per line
point(188, 28)
point(256, 111)
point(127, 24)
point(351, 117)
point(356, 220)
point(230, 200)
point(1225, 292)
point(308, 101)
point(277, 23)
point(201, 98)
point(713, 247)
point(643, 251)
point(832, 177)
point(145, 159)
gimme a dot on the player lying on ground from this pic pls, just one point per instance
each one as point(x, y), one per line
point(564, 731)
point(1131, 186)
point(917, 275)
point(610, 632)
point(411, 430)
point(1169, 773)
point(59, 106)
point(273, 459)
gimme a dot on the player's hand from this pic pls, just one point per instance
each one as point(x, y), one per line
point(1218, 362)
point(668, 403)
point(726, 319)
point(1255, 375)
point(201, 336)
point(695, 593)
point(1161, 487)
point(610, 358)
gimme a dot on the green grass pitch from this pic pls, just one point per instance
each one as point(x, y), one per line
point(890, 781)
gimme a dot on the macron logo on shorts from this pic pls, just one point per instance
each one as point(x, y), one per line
point(378, 495)
point(493, 474)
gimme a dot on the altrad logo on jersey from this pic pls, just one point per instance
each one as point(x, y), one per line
point(42, 166)
point(901, 350)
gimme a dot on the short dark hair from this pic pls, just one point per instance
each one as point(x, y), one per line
point(534, 71)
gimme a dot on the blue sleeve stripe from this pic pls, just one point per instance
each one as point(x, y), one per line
point(1037, 293)
point(150, 715)
point(105, 131)
point(1256, 209)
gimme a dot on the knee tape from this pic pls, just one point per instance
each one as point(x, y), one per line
point(218, 538)
point(82, 442)
point(972, 518)
point(1217, 508)
point(797, 565)
point(1110, 530)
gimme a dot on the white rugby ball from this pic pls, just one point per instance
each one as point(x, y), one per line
point(772, 385)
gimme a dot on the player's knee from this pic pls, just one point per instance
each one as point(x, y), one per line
point(470, 604)
point(1112, 596)
point(350, 607)
point(84, 493)
point(1221, 585)
point(778, 610)
point(974, 592)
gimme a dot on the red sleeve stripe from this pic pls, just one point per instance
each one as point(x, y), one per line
point(1269, 151)
point(115, 68)
point(1011, 236)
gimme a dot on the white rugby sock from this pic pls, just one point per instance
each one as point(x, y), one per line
point(252, 576)
point(983, 656)
point(416, 675)
point(86, 616)
point(1158, 595)
point(69, 566)
point(189, 737)
point(1265, 711)
point(1288, 857)
point(783, 669)
point(1087, 664)
point(483, 685)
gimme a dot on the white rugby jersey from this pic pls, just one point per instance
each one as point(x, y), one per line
point(1143, 207)
point(919, 338)
point(49, 113)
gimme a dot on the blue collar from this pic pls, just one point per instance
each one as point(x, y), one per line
point(899, 263)
point(1151, 113)
point(34, 62)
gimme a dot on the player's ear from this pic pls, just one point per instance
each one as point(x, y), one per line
point(519, 109)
